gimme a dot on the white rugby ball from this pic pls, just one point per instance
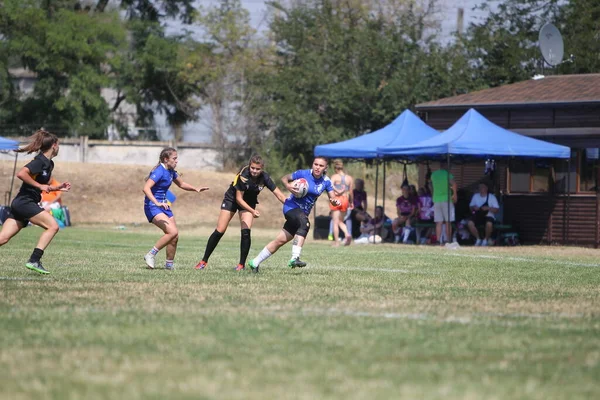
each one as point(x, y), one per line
point(302, 186)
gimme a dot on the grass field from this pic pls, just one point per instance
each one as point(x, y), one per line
point(370, 322)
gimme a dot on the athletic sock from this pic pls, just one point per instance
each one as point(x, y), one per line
point(245, 243)
point(262, 256)
point(213, 241)
point(154, 251)
point(296, 250)
point(36, 255)
point(169, 264)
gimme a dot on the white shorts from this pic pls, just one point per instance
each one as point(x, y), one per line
point(440, 212)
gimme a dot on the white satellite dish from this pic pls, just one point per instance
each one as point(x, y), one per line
point(551, 44)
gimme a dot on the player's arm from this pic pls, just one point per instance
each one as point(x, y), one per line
point(351, 194)
point(239, 198)
point(62, 187)
point(148, 192)
point(280, 196)
point(186, 186)
point(334, 202)
point(286, 180)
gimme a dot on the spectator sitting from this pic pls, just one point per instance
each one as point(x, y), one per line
point(52, 201)
point(413, 191)
point(372, 230)
point(484, 205)
point(424, 213)
point(407, 209)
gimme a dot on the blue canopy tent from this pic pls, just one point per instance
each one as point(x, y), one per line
point(475, 136)
point(405, 130)
point(7, 145)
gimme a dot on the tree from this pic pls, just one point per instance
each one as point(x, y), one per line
point(347, 68)
point(217, 70)
point(579, 22)
point(504, 46)
point(69, 51)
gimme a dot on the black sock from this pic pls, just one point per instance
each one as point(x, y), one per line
point(245, 245)
point(36, 255)
point(213, 241)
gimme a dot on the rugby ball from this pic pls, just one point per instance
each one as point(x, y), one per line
point(302, 186)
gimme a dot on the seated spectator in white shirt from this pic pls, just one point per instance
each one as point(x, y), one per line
point(483, 205)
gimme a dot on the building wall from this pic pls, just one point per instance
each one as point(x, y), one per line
point(193, 156)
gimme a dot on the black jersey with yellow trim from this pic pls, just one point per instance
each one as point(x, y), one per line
point(251, 188)
point(40, 169)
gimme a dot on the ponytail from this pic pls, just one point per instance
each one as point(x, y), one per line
point(41, 140)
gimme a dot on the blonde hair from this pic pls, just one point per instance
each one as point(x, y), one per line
point(337, 163)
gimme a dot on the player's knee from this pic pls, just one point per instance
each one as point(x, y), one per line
point(245, 233)
point(3, 240)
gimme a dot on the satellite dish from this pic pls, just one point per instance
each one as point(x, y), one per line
point(551, 44)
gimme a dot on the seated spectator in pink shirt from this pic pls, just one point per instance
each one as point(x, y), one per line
point(407, 206)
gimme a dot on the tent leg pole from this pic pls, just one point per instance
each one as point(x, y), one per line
point(448, 223)
point(376, 191)
point(383, 194)
point(12, 181)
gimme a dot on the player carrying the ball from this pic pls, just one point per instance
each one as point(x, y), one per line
point(296, 211)
point(242, 197)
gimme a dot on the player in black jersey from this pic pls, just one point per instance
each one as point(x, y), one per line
point(241, 196)
point(26, 205)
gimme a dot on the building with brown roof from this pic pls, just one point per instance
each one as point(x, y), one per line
point(547, 201)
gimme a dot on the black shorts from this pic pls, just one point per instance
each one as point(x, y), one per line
point(233, 206)
point(23, 208)
point(296, 222)
point(482, 220)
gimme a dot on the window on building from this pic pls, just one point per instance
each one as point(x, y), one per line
point(566, 173)
point(520, 176)
point(588, 170)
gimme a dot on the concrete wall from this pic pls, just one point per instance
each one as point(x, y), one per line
point(191, 155)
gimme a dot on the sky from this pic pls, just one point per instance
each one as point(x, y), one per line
point(258, 11)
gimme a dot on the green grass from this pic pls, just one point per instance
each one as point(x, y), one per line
point(370, 322)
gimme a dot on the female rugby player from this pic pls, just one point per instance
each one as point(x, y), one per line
point(296, 212)
point(242, 197)
point(26, 207)
point(157, 208)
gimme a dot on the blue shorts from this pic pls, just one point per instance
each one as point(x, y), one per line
point(152, 211)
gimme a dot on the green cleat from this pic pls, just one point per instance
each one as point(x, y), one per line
point(296, 263)
point(37, 267)
point(253, 268)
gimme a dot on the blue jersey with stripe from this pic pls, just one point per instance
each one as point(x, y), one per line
point(315, 188)
point(162, 178)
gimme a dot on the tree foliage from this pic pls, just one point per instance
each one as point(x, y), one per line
point(344, 69)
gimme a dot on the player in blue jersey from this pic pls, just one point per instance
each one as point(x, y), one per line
point(296, 212)
point(25, 207)
point(158, 210)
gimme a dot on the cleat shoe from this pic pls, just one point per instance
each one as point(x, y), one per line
point(348, 241)
point(330, 237)
point(296, 263)
point(201, 265)
point(170, 267)
point(37, 267)
point(240, 267)
point(253, 268)
point(149, 258)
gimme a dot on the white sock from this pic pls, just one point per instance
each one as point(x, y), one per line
point(406, 233)
point(262, 256)
point(296, 250)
